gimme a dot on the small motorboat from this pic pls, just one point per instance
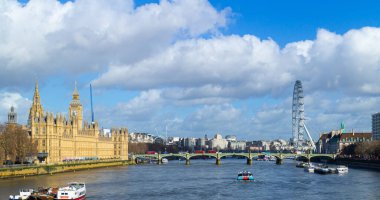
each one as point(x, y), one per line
point(322, 169)
point(164, 160)
point(76, 191)
point(24, 194)
point(245, 176)
point(309, 168)
point(342, 169)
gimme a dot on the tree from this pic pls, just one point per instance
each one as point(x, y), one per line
point(15, 144)
point(349, 150)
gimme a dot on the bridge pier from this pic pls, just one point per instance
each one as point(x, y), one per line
point(249, 161)
point(159, 159)
point(134, 160)
point(218, 162)
point(278, 161)
point(187, 162)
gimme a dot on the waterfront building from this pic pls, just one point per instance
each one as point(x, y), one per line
point(258, 146)
point(201, 143)
point(141, 138)
point(218, 143)
point(335, 141)
point(173, 140)
point(237, 145)
point(190, 143)
point(61, 139)
point(376, 126)
point(278, 145)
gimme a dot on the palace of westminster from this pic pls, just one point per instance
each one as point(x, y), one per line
point(61, 139)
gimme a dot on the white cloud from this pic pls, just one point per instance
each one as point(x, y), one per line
point(244, 66)
point(213, 119)
point(230, 66)
point(46, 37)
point(20, 103)
point(142, 107)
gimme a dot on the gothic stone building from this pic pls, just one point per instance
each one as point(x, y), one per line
point(60, 139)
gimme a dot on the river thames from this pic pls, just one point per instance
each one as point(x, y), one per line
point(205, 180)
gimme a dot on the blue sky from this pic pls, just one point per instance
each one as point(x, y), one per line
point(195, 66)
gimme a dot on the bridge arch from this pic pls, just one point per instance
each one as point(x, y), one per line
point(146, 156)
point(245, 155)
point(173, 155)
point(203, 155)
point(322, 157)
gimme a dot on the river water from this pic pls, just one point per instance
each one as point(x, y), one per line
point(205, 180)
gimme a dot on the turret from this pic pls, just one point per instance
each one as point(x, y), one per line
point(12, 116)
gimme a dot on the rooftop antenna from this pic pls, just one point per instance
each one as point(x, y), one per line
point(92, 109)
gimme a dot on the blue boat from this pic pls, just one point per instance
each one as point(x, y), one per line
point(245, 176)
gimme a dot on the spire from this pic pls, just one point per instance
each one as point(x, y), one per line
point(36, 96)
point(36, 109)
point(75, 93)
point(75, 100)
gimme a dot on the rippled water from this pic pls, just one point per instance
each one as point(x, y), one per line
point(204, 180)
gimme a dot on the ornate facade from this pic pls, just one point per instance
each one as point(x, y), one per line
point(60, 139)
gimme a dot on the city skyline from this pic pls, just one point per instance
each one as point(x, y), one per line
point(197, 67)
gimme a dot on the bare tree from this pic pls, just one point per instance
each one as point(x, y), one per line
point(15, 144)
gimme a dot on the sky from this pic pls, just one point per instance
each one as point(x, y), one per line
point(193, 67)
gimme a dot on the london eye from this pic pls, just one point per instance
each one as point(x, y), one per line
point(298, 120)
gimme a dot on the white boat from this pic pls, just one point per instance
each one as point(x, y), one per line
point(342, 169)
point(164, 160)
point(309, 168)
point(24, 194)
point(76, 191)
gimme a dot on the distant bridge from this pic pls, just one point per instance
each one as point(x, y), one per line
point(219, 156)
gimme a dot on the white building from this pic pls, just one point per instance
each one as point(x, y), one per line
point(237, 145)
point(141, 138)
point(218, 143)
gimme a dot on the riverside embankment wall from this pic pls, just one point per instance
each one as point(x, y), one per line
point(57, 168)
point(363, 164)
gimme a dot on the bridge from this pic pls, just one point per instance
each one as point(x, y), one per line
point(218, 156)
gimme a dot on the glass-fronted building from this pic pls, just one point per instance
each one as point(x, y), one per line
point(376, 126)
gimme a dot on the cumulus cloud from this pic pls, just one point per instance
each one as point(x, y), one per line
point(46, 37)
point(244, 66)
point(141, 107)
point(221, 70)
point(214, 118)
